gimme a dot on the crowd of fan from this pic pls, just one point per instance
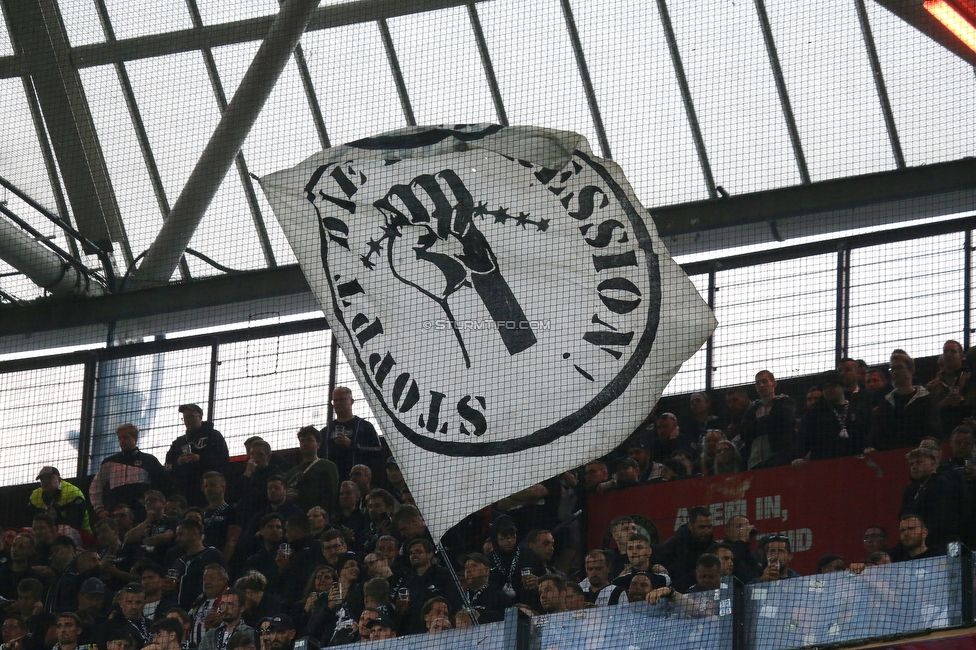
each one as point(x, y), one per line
point(169, 555)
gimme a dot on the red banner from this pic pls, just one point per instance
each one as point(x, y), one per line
point(963, 642)
point(822, 508)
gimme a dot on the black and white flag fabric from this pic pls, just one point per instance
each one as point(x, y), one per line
point(502, 297)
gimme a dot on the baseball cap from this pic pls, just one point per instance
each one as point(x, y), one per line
point(280, 621)
point(191, 407)
point(47, 470)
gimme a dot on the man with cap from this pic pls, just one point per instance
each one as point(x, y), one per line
point(627, 475)
point(648, 468)
point(61, 499)
point(395, 481)
point(65, 581)
point(280, 632)
point(200, 450)
point(91, 608)
point(381, 627)
point(487, 599)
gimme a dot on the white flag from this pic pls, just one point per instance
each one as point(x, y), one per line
point(504, 300)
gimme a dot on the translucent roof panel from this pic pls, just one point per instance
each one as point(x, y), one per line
point(123, 156)
point(221, 11)
point(931, 91)
point(831, 87)
point(131, 19)
point(353, 81)
point(734, 93)
point(179, 125)
point(641, 97)
point(535, 66)
point(441, 67)
point(81, 22)
point(283, 135)
point(6, 46)
point(21, 158)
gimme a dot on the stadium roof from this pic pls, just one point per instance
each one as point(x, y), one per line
point(736, 122)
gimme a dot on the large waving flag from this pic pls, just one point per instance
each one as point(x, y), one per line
point(501, 295)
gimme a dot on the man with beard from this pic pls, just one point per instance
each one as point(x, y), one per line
point(230, 609)
point(280, 633)
point(200, 450)
point(425, 580)
point(680, 552)
point(379, 507)
point(535, 562)
point(271, 533)
point(913, 534)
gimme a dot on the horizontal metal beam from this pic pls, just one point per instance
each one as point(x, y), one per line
point(240, 31)
point(165, 345)
point(737, 212)
point(831, 246)
point(54, 314)
point(824, 196)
